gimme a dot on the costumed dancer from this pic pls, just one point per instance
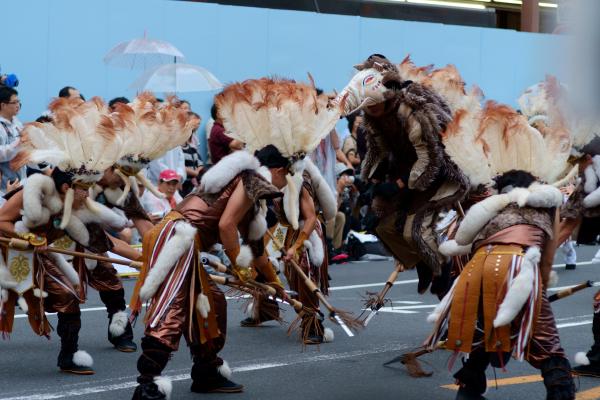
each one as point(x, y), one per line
point(281, 141)
point(404, 121)
point(148, 129)
point(181, 297)
point(498, 307)
point(81, 144)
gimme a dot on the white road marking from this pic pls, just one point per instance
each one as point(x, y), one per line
point(66, 392)
point(570, 324)
point(372, 284)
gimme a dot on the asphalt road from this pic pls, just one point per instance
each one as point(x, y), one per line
point(272, 365)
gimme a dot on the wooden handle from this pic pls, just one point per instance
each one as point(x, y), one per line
point(567, 292)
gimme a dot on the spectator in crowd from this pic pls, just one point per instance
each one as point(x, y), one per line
point(350, 146)
point(69, 92)
point(117, 100)
point(194, 167)
point(185, 105)
point(168, 183)
point(336, 225)
point(10, 132)
point(219, 143)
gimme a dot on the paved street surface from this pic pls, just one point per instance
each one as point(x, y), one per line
point(272, 365)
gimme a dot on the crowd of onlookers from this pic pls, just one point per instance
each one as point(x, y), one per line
point(178, 172)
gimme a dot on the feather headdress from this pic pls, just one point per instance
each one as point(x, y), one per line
point(149, 129)
point(283, 113)
point(81, 141)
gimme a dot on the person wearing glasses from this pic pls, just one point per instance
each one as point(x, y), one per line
point(10, 131)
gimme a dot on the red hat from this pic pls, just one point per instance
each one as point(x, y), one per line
point(169, 175)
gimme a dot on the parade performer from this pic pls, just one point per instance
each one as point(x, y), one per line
point(498, 307)
point(182, 299)
point(404, 121)
point(281, 141)
point(81, 143)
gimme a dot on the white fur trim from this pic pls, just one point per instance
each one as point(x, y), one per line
point(265, 173)
point(65, 267)
point(3, 295)
point(250, 309)
point(89, 263)
point(21, 226)
point(40, 200)
point(68, 208)
point(519, 290)
point(544, 196)
point(7, 281)
point(83, 359)
point(164, 385)
point(126, 189)
point(224, 370)
point(258, 225)
point(113, 195)
point(40, 294)
point(592, 199)
point(148, 185)
point(118, 323)
point(202, 305)
point(291, 198)
point(226, 169)
point(102, 215)
point(245, 257)
point(328, 335)
point(175, 247)
point(519, 196)
point(596, 165)
point(323, 191)
point(77, 230)
point(437, 311)
point(451, 249)
point(591, 179)
point(314, 245)
point(23, 304)
point(478, 216)
point(553, 279)
point(581, 358)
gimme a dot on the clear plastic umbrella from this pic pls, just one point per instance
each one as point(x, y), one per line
point(143, 53)
point(177, 78)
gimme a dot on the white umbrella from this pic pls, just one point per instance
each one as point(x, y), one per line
point(142, 54)
point(176, 78)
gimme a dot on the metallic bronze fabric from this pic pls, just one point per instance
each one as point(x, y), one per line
point(545, 341)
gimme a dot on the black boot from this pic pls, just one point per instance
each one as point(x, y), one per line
point(558, 380)
point(471, 377)
point(150, 365)
point(148, 391)
point(313, 326)
point(210, 377)
point(425, 277)
point(591, 363)
point(120, 333)
point(70, 359)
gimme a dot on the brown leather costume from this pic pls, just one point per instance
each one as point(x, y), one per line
point(480, 289)
point(206, 337)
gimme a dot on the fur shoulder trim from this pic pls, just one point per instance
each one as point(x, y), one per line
point(265, 173)
point(451, 249)
point(77, 230)
point(173, 249)
point(40, 200)
point(478, 216)
point(544, 196)
point(226, 169)
point(323, 191)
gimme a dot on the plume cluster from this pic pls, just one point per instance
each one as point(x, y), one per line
point(281, 112)
point(488, 139)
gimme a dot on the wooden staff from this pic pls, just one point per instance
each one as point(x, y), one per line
point(20, 244)
point(569, 291)
point(251, 286)
point(376, 302)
